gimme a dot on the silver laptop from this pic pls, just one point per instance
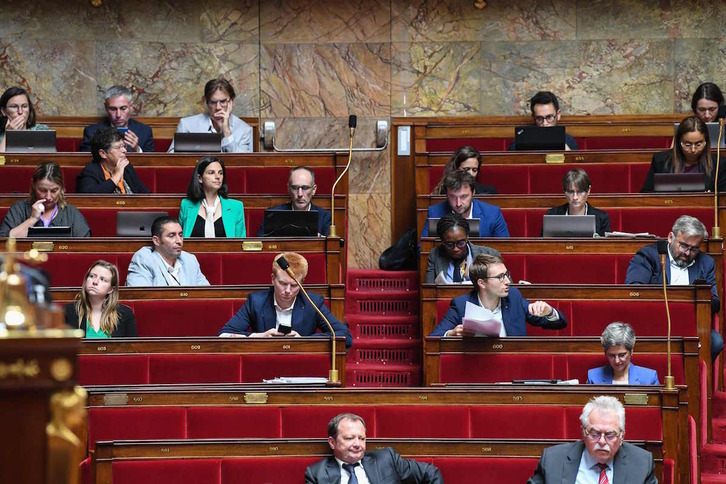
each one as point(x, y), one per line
point(568, 226)
point(27, 141)
point(197, 142)
point(712, 133)
point(135, 224)
point(473, 226)
point(679, 182)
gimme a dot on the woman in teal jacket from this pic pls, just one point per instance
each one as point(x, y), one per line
point(206, 211)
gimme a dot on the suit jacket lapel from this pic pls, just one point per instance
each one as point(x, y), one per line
point(298, 313)
point(228, 221)
point(269, 316)
point(371, 468)
point(572, 463)
point(332, 470)
point(620, 466)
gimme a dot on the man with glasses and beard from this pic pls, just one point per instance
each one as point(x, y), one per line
point(449, 263)
point(685, 263)
point(601, 457)
point(491, 281)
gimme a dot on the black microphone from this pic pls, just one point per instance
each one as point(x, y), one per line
point(353, 121)
point(283, 263)
point(721, 112)
point(662, 246)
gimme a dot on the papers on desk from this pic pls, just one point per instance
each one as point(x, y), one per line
point(480, 320)
point(298, 380)
point(630, 235)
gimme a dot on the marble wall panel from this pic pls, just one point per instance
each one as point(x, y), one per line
point(113, 20)
point(169, 78)
point(435, 79)
point(459, 20)
point(369, 216)
point(595, 77)
point(63, 90)
point(314, 80)
point(697, 61)
point(634, 19)
point(312, 21)
point(225, 21)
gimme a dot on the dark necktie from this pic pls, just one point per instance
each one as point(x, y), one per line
point(351, 470)
point(603, 474)
point(459, 268)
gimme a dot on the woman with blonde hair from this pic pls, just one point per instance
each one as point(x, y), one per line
point(96, 309)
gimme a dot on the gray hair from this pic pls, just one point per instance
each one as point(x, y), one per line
point(116, 91)
point(689, 226)
point(618, 334)
point(605, 404)
point(335, 421)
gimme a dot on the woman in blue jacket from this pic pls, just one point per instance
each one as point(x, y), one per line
point(618, 341)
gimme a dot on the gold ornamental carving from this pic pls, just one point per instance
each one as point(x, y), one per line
point(61, 369)
point(19, 370)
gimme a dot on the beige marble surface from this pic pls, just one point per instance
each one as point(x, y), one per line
point(369, 229)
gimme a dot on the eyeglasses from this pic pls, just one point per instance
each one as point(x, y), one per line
point(595, 435)
point(117, 146)
point(459, 243)
point(693, 146)
point(572, 193)
point(501, 277)
point(550, 118)
point(304, 188)
point(17, 107)
point(220, 102)
point(694, 249)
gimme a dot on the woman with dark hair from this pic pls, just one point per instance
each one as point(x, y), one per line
point(691, 153)
point(576, 185)
point(219, 98)
point(45, 206)
point(468, 159)
point(17, 113)
point(206, 211)
point(96, 310)
point(705, 102)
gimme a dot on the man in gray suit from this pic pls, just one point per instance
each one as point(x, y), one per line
point(351, 464)
point(449, 262)
point(601, 457)
point(165, 264)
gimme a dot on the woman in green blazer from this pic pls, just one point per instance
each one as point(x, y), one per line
point(206, 211)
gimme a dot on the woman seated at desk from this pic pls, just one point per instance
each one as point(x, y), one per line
point(17, 113)
point(706, 101)
point(576, 186)
point(45, 207)
point(618, 341)
point(206, 211)
point(691, 153)
point(468, 159)
point(96, 310)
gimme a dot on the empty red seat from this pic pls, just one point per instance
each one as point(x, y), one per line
point(129, 423)
point(113, 369)
point(202, 368)
point(186, 471)
point(407, 421)
point(233, 422)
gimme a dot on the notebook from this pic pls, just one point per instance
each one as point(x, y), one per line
point(539, 138)
point(679, 182)
point(50, 231)
point(136, 224)
point(197, 142)
point(27, 141)
point(291, 223)
point(568, 225)
point(473, 226)
point(712, 133)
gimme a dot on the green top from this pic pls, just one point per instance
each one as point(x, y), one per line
point(92, 333)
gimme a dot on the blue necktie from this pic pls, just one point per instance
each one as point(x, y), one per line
point(351, 470)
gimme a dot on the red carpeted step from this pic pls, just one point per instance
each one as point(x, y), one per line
point(368, 375)
point(382, 353)
point(718, 427)
point(713, 459)
point(383, 327)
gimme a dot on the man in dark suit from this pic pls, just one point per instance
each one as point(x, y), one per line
point(278, 311)
point(460, 188)
point(351, 464)
point(301, 186)
point(601, 456)
point(119, 105)
point(684, 264)
point(546, 112)
point(491, 281)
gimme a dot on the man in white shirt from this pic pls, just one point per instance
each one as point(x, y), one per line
point(351, 464)
point(601, 456)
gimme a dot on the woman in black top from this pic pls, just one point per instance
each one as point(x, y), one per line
point(576, 186)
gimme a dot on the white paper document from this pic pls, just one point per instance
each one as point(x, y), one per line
point(298, 380)
point(480, 320)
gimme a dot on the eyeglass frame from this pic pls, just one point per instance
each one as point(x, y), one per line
point(459, 243)
point(595, 435)
point(221, 102)
point(693, 249)
point(501, 276)
point(690, 146)
point(305, 188)
point(550, 118)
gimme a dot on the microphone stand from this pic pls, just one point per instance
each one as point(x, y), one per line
point(352, 123)
point(716, 231)
point(333, 374)
point(662, 249)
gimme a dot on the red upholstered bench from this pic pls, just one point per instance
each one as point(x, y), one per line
point(141, 423)
point(187, 471)
point(270, 470)
point(241, 422)
point(116, 370)
point(470, 470)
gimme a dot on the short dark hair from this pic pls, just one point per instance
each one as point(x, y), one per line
point(578, 178)
point(195, 192)
point(335, 421)
point(450, 221)
point(543, 97)
point(479, 269)
point(10, 93)
point(218, 84)
point(459, 179)
point(103, 139)
point(707, 90)
point(157, 227)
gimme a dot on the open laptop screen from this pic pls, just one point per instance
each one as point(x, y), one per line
point(197, 142)
point(679, 182)
point(27, 141)
point(539, 138)
point(291, 223)
point(568, 226)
